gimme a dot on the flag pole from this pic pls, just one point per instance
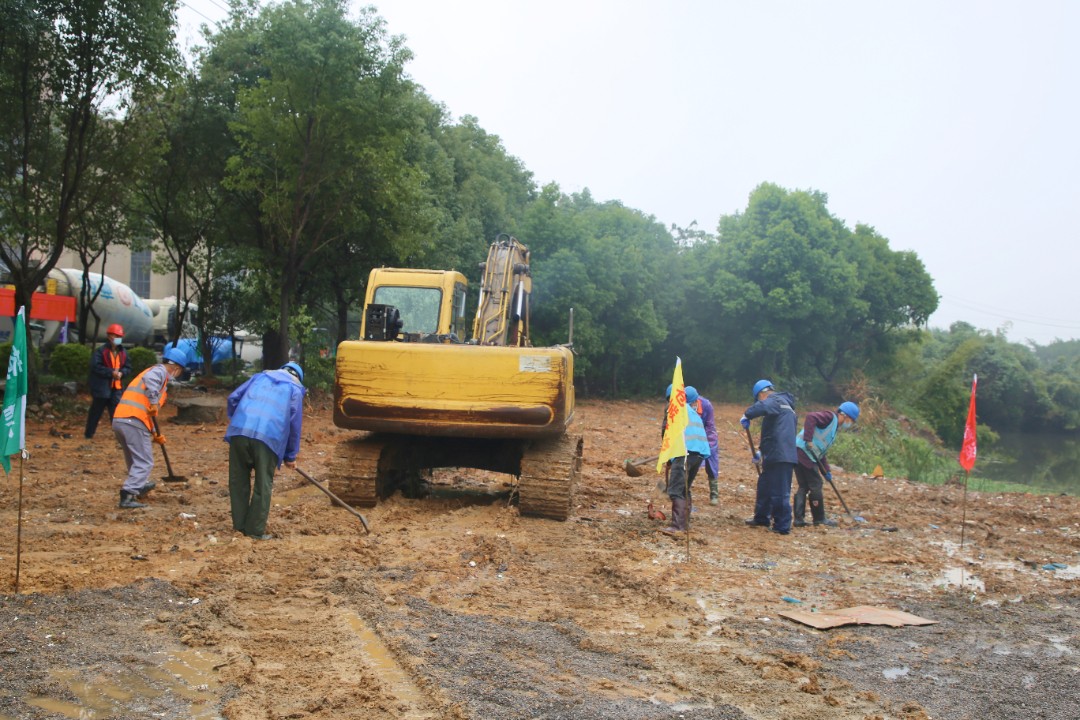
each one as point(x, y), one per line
point(18, 530)
point(963, 505)
point(968, 452)
point(689, 507)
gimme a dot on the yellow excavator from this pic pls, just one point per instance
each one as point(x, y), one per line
point(429, 399)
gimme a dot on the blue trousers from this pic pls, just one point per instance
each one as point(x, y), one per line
point(773, 502)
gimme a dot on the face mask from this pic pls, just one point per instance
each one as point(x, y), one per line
point(117, 341)
point(846, 426)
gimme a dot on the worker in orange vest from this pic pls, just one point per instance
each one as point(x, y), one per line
point(109, 365)
point(135, 424)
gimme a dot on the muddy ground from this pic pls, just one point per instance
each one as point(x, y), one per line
point(456, 607)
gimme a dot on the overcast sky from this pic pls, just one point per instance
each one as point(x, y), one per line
point(951, 127)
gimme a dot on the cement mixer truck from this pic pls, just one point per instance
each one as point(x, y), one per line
point(115, 303)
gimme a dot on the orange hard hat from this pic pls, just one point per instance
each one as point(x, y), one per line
point(115, 329)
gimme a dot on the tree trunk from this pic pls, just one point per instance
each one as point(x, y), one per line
point(272, 357)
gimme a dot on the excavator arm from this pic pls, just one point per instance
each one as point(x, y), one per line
point(502, 313)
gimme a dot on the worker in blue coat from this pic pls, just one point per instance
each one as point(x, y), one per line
point(265, 420)
point(776, 456)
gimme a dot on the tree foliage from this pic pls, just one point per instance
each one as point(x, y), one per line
point(296, 154)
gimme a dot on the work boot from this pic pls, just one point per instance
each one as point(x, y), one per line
point(261, 537)
point(129, 501)
point(754, 523)
point(147, 488)
point(714, 500)
point(827, 522)
point(679, 511)
point(798, 509)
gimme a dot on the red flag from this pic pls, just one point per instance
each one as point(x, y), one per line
point(967, 450)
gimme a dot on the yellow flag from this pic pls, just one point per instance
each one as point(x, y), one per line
point(674, 444)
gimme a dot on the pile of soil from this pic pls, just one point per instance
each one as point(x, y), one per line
point(455, 606)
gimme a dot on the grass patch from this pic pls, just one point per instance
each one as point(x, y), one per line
point(902, 452)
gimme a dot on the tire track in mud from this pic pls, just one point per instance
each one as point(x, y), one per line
point(295, 650)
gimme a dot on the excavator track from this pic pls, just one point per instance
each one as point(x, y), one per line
point(354, 471)
point(549, 475)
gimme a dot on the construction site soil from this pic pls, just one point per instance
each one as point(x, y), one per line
point(455, 606)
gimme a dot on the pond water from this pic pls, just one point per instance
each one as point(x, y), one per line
point(1041, 459)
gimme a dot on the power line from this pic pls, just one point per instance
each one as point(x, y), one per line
point(197, 12)
point(1014, 316)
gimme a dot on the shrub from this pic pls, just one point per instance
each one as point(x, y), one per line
point(140, 359)
point(70, 361)
point(5, 357)
point(319, 373)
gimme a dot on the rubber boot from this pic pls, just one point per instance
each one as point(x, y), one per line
point(683, 513)
point(714, 491)
point(128, 501)
point(799, 509)
point(817, 511)
point(678, 517)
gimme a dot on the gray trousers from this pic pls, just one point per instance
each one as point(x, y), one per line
point(138, 449)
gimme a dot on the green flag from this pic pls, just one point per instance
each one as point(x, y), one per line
point(13, 418)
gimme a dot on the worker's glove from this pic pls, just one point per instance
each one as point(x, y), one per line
point(152, 410)
point(828, 476)
point(757, 459)
point(159, 439)
point(744, 422)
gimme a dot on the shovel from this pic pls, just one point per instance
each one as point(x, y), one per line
point(753, 450)
point(856, 518)
point(335, 498)
point(633, 467)
point(168, 466)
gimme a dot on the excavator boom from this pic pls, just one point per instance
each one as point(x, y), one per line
point(502, 314)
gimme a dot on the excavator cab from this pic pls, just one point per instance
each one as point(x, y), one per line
point(414, 306)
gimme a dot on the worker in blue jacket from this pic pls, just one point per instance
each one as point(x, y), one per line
point(776, 456)
point(265, 419)
point(817, 436)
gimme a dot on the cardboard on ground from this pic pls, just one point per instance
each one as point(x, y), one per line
point(861, 615)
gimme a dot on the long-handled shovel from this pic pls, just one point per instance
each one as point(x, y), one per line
point(753, 450)
point(856, 518)
point(633, 467)
point(335, 498)
point(168, 466)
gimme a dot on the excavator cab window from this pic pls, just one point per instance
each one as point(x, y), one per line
point(419, 307)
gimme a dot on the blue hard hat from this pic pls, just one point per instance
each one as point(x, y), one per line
point(176, 356)
point(691, 394)
point(850, 409)
point(761, 385)
point(295, 369)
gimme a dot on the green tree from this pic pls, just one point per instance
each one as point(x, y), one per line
point(796, 294)
point(66, 69)
point(317, 103)
point(612, 265)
